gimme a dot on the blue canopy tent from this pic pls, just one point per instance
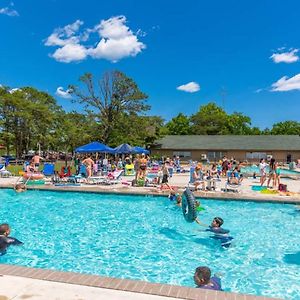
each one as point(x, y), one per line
point(123, 149)
point(93, 148)
point(140, 150)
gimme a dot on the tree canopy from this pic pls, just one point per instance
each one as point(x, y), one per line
point(115, 112)
point(113, 98)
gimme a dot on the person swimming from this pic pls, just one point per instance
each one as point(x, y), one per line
point(6, 240)
point(220, 233)
point(203, 279)
point(20, 187)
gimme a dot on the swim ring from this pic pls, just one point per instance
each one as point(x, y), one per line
point(188, 206)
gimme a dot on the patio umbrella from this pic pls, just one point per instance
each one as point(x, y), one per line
point(140, 150)
point(93, 148)
point(123, 149)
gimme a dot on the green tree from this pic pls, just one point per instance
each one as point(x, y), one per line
point(210, 119)
point(26, 118)
point(136, 130)
point(255, 131)
point(287, 127)
point(179, 125)
point(238, 124)
point(112, 97)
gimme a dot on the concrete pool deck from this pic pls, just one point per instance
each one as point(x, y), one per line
point(39, 284)
point(30, 283)
point(181, 181)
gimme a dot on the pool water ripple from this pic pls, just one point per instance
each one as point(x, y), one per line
point(147, 238)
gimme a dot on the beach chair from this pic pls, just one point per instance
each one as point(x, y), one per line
point(80, 178)
point(232, 185)
point(4, 172)
point(191, 184)
point(65, 172)
point(115, 176)
point(48, 169)
point(111, 178)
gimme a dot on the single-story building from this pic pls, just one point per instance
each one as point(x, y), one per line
point(284, 148)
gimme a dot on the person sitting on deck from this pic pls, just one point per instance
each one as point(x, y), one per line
point(197, 177)
point(30, 168)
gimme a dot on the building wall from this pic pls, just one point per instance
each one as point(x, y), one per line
point(240, 155)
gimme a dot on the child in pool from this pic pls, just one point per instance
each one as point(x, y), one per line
point(203, 279)
point(220, 233)
point(173, 196)
point(198, 209)
point(5, 239)
point(20, 187)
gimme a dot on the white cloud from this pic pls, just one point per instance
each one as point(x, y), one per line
point(63, 93)
point(285, 57)
point(285, 84)
point(70, 52)
point(190, 87)
point(64, 36)
point(9, 12)
point(117, 41)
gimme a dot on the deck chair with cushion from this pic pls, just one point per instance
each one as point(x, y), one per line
point(115, 176)
point(80, 178)
point(110, 178)
point(48, 169)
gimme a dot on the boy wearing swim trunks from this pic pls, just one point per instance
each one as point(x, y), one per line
point(203, 279)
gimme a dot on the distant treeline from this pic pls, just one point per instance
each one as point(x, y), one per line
point(114, 113)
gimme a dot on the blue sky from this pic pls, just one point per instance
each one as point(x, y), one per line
point(181, 53)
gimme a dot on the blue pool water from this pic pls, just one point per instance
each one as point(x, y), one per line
point(147, 238)
point(255, 169)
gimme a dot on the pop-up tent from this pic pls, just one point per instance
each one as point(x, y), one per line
point(140, 150)
point(123, 149)
point(93, 148)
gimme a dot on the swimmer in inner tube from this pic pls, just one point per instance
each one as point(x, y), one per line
point(5, 239)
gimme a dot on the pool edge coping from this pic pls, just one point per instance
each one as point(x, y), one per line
point(225, 196)
point(126, 285)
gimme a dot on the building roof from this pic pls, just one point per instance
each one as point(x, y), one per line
point(229, 142)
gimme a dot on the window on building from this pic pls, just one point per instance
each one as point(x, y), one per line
point(256, 155)
point(215, 155)
point(183, 154)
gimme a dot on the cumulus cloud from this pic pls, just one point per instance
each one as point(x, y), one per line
point(116, 41)
point(285, 57)
point(285, 84)
point(63, 93)
point(9, 12)
point(190, 87)
point(70, 52)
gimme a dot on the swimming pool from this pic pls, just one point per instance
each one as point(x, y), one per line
point(254, 169)
point(147, 238)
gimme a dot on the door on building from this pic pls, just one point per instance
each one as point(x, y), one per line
point(289, 158)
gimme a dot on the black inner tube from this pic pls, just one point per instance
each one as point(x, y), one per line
point(188, 206)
